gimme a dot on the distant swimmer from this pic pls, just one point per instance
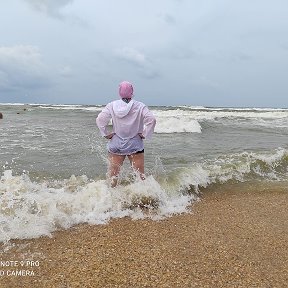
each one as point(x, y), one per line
point(132, 122)
point(1, 115)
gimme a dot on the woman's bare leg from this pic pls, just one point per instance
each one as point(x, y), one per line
point(115, 163)
point(137, 163)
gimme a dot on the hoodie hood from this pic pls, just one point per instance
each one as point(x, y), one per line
point(125, 89)
point(121, 109)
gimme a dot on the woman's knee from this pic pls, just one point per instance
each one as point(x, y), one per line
point(115, 163)
point(137, 162)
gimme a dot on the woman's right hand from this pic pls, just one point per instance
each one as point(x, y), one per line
point(109, 136)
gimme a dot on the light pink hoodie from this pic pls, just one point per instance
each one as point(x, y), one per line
point(128, 119)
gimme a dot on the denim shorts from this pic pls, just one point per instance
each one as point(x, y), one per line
point(128, 146)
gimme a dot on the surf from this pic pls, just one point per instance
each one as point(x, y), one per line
point(33, 208)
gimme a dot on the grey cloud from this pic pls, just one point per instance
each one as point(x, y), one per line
point(132, 55)
point(137, 59)
point(242, 56)
point(205, 82)
point(180, 51)
point(168, 18)
point(285, 46)
point(201, 43)
point(66, 71)
point(54, 8)
point(184, 53)
point(21, 67)
point(49, 7)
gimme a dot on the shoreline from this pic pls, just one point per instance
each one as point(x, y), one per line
point(233, 237)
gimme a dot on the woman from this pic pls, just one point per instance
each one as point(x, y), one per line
point(132, 122)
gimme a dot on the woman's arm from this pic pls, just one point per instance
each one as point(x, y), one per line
point(102, 121)
point(149, 123)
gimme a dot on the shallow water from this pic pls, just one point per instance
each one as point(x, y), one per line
point(53, 163)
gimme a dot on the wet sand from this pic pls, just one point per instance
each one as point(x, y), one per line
point(233, 237)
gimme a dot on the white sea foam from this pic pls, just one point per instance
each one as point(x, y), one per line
point(30, 209)
point(176, 121)
point(211, 114)
point(233, 108)
point(190, 120)
point(72, 107)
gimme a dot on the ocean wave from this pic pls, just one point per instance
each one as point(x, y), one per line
point(30, 209)
point(71, 107)
point(176, 121)
point(189, 119)
point(238, 167)
point(30, 107)
point(213, 113)
point(179, 120)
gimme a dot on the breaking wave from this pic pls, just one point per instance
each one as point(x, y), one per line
point(30, 209)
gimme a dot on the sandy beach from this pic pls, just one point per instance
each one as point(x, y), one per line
point(232, 238)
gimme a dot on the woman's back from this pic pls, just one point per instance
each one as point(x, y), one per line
point(128, 119)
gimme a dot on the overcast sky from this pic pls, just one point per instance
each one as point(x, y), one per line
point(175, 52)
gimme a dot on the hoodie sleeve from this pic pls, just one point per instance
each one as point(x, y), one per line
point(149, 123)
point(103, 119)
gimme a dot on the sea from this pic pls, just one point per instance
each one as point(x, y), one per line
point(53, 164)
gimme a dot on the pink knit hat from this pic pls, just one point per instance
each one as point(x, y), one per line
point(125, 89)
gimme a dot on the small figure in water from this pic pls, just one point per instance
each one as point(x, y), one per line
point(132, 122)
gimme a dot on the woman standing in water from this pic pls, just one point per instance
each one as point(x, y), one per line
point(132, 122)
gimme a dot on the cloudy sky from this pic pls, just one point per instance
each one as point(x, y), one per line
point(175, 52)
